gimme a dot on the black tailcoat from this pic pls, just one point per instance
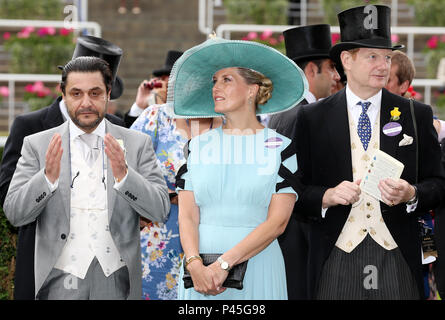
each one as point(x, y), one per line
point(324, 160)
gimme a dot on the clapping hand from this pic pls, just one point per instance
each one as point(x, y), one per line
point(53, 157)
point(116, 156)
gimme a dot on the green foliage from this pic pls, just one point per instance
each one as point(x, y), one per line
point(36, 103)
point(273, 12)
point(428, 12)
point(333, 7)
point(31, 9)
point(440, 102)
point(8, 236)
point(38, 96)
point(34, 53)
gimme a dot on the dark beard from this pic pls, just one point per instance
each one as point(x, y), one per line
point(88, 126)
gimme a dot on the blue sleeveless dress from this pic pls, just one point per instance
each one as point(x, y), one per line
point(233, 178)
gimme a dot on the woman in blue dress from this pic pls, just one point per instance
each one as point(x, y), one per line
point(238, 188)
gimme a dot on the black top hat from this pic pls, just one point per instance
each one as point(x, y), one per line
point(98, 47)
point(359, 30)
point(308, 42)
point(172, 56)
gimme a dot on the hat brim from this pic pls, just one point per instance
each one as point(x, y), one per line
point(162, 72)
point(117, 89)
point(310, 57)
point(344, 46)
point(190, 83)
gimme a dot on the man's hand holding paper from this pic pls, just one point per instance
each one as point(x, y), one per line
point(395, 192)
point(383, 182)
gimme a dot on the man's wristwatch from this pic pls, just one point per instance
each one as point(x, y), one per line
point(414, 199)
point(224, 265)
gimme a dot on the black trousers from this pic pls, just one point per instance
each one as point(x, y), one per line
point(368, 272)
point(294, 244)
point(24, 267)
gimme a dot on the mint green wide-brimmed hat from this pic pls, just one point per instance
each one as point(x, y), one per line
point(190, 83)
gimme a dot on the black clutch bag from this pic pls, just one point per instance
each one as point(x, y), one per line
point(233, 280)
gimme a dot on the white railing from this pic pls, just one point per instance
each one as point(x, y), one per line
point(94, 27)
point(12, 78)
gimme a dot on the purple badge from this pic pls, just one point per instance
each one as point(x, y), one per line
point(392, 129)
point(274, 142)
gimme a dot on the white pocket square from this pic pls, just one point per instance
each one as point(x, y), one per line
point(406, 141)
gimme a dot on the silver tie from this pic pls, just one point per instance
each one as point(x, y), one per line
point(92, 141)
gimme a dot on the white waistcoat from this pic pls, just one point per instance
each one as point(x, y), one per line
point(365, 216)
point(90, 234)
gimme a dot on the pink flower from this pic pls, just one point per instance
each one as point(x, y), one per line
point(23, 35)
point(266, 34)
point(394, 38)
point(6, 35)
point(442, 38)
point(433, 42)
point(65, 32)
point(51, 31)
point(29, 88)
point(281, 38)
point(335, 37)
point(43, 92)
point(38, 88)
point(244, 38)
point(42, 32)
point(4, 91)
point(273, 41)
point(252, 35)
point(28, 29)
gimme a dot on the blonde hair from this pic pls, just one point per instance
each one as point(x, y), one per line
point(264, 83)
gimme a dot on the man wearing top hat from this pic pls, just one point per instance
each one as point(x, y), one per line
point(308, 47)
point(149, 93)
point(30, 123)
point(363, 248)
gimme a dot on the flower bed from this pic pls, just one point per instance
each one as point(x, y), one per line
point(38, 50)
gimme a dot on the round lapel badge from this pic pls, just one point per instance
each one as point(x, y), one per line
point(392, 129)
point(274, 142)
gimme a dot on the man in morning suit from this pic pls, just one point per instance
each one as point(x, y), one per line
point(40, 120)
point(308, 47)
point(85, 183)
point(362, 248)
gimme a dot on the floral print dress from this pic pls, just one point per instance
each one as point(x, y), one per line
point(160, 244)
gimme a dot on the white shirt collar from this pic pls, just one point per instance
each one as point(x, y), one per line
point(64, 110)
point(75, 131)
point(310, 98)
point(352, 99)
